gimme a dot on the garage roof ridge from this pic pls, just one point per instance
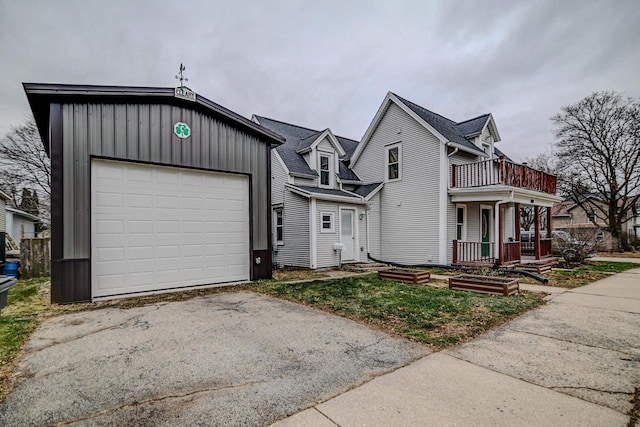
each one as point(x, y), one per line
point(40, 94)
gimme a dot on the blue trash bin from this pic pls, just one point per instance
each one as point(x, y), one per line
point(11, 269)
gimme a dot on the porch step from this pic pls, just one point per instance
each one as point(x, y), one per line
point(542, 266)
point(365, 267)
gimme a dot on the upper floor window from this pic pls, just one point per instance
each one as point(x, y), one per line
point(394, 162)
point(325, 170)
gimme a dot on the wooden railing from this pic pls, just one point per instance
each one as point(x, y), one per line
point(501, 172)
point(510, 252)
point(546, 247)
point(472, 252)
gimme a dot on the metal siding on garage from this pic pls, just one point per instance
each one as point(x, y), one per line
point(159, 227)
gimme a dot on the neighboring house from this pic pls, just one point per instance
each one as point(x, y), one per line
point(418, 189)
point(20, 225)
point(320, 206)
point(589, 224)
point(3, 225)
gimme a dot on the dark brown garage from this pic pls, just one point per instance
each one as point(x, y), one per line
point(153, 189)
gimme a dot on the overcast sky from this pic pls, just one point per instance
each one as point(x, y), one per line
point(330, 63)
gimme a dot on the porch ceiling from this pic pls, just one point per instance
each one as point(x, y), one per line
point(496, 193)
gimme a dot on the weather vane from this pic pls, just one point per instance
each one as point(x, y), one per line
point(180, 76)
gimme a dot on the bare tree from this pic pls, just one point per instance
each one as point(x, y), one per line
point(598, 150)
point(24, 164)
point(545, 162)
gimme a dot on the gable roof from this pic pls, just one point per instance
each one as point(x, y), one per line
point(41, 95)
point(454, 132)
point(446, 130)
point(299, 139)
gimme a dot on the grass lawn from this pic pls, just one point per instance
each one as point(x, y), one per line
point(586, 273)
point(18, 319)
point(435, 316)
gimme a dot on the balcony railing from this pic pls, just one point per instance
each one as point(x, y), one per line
point(501, 172)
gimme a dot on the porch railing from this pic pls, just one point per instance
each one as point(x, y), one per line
point(501, 172)
point(473, 252)
point(546, 247)
point(510, 252)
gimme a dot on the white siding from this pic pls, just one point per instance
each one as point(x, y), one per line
point(295, 251)
point(325, 145)
point(409, 208)
point(374, 226)
point(460, 158)
point(22, 229)
point(327, 257)
point(3, 215)
point(278, 179)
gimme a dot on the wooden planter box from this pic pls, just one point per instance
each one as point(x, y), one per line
point(485, 284)
point(404, 275)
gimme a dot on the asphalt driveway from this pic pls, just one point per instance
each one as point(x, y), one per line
point(224, 359)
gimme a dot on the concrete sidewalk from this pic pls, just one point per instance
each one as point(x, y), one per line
point(575, 361)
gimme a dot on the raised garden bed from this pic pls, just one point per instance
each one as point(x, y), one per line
point(404, 275)
point(485, 284)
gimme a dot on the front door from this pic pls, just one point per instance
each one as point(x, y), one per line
point(485, 231)
point(347, 234)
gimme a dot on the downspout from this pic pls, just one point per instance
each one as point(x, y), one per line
point(496, 220)
point(366, 217)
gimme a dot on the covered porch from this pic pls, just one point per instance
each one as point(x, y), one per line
point(488, 231)
point(506, 247)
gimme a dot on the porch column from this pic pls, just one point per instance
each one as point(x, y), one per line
point(516, 220)
point(536, 222)
point(501, 233)
point(549, 224)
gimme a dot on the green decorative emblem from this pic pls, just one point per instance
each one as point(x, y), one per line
point(182, 130)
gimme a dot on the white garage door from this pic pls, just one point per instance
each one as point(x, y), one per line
point(157, 227)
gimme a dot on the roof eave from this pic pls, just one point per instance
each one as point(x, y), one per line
point(41, 95)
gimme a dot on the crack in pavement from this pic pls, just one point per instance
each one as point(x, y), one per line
point(557, 388)
point(574, 342)
point(74, 338)
point(152, 401)
point(326, 416)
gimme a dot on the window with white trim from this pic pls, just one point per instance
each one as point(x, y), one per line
point(325, 170)
point(393, 162)
point(278, 220)
point(327, 222)
point(461, 222)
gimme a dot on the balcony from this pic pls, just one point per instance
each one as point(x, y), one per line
point(501, 172)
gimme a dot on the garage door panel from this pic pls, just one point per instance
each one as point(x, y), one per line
point(158, 227)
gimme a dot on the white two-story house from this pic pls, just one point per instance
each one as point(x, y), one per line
point(417, 189)
point(319, 204)
point(449, 195)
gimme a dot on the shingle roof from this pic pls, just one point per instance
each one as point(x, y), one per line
point(365, 190)
point(347, 174)
point(328, 191)
point(298, 138)
point(306, 143)
point(454, 132)
point(499, 153)
point(473, 126)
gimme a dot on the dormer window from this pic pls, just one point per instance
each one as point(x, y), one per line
point(325, 170)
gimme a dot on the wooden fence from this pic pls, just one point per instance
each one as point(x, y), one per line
point(35, 258)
